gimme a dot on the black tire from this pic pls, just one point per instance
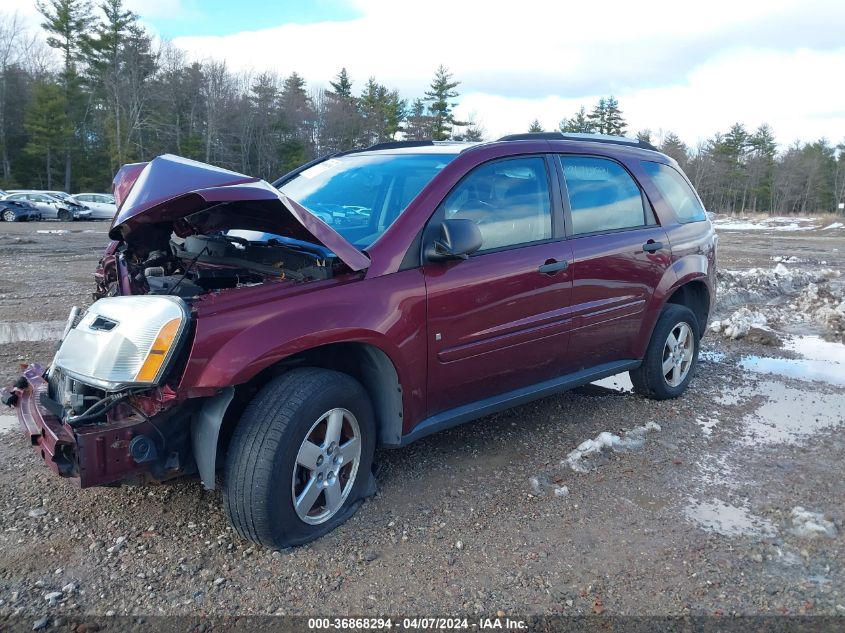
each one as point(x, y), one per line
point(648, 379)
point(65, 216)
point(8, 215)
point(260, 462)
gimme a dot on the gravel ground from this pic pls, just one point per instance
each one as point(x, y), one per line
point(699, 519)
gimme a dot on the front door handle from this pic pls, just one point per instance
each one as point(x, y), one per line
point(552, 266)
point(651, 246)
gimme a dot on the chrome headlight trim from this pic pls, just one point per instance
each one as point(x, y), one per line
point(115, 337)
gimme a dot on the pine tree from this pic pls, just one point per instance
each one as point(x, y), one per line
point(68, 23)
point(120, 64)
point(598, 117)
point(535, 127)
point(418, 125)
point(382, 111)
point(578, 124)
point(614, 121)
point(644, 136)
point(441, 105)
point(342, 86)
point(48, 125)
point(298, 122)
point(673, 147)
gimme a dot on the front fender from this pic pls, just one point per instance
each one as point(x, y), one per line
point(233, 345)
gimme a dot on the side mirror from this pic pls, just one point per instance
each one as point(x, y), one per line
point(458, 240)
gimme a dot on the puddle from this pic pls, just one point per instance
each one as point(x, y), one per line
point(789, 415)
point(16, 332)
point(8, 423)
point(816, 348)
point(726, 519)
point(822, 361)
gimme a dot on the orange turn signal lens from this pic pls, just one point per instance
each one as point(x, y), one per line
point(158, 352)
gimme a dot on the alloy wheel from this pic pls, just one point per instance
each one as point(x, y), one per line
point(678, 352)
point(326, 466)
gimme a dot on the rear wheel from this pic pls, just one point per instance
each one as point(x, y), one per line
point(9, 215)
point(65, 216)
point(671, 357)
point(300, 458)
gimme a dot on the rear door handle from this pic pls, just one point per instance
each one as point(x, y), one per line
point(651, 246)
point(552, 266)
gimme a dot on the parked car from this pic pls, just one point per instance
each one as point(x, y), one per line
point(18, 211)
point(101, 204)
point(236, 331)
point(51, 207)
point(61, 195)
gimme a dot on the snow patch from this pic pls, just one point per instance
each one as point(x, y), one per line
point(542, 486)
point(835, 225)
point(707, 425)
point(765, 224)
point(807, 524)
point(726, 519)
point(739, 323)
point(582, 458)
point(757, 284)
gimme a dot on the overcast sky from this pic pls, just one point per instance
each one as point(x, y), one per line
point(693, 68)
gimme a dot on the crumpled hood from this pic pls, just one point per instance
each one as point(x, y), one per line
point(198, 198)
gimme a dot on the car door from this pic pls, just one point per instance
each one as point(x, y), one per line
point(499, 320)
point(620, 254)
point(44, 204)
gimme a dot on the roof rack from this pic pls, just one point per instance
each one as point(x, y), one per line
point(576, 136)
point(394, 145)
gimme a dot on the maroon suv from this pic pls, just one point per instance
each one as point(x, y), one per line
point(279, 333)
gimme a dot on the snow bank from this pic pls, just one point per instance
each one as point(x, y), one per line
point(728, 223)
point(579, 460)
point(808, 524)
point(756, 284)
point(739, 324)
point(835, 225)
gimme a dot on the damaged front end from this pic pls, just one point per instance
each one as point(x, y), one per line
point(102, 412)
point(112, 406)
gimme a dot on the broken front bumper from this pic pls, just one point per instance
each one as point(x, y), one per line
point(53, 440)
point(91, 455)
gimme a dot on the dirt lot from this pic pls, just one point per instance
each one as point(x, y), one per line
point(732, 504)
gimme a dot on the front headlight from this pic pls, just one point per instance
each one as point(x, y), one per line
point(124, 341)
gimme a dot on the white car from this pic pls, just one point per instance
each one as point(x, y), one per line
point(101, 204)
point(51, 207)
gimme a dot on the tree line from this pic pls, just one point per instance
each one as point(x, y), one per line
point(95, 91)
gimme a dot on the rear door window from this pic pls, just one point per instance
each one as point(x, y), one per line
point(602, 195)
point(676, 191)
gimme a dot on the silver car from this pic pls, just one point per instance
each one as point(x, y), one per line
point(101, 204)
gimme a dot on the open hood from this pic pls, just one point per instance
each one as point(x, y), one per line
point(194, 197)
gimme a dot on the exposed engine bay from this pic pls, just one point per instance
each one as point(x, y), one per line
point(198, 264)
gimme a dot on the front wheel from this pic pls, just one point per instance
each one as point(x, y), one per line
point(300, 458)
point(671, 357)
point(65, 216)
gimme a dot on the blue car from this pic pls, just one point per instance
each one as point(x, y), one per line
point(18, 211)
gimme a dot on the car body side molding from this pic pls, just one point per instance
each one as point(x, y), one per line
point(474, 410)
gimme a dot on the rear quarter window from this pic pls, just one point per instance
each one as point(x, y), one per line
point(676, 191)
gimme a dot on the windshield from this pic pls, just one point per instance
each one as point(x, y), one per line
point(361, 195)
